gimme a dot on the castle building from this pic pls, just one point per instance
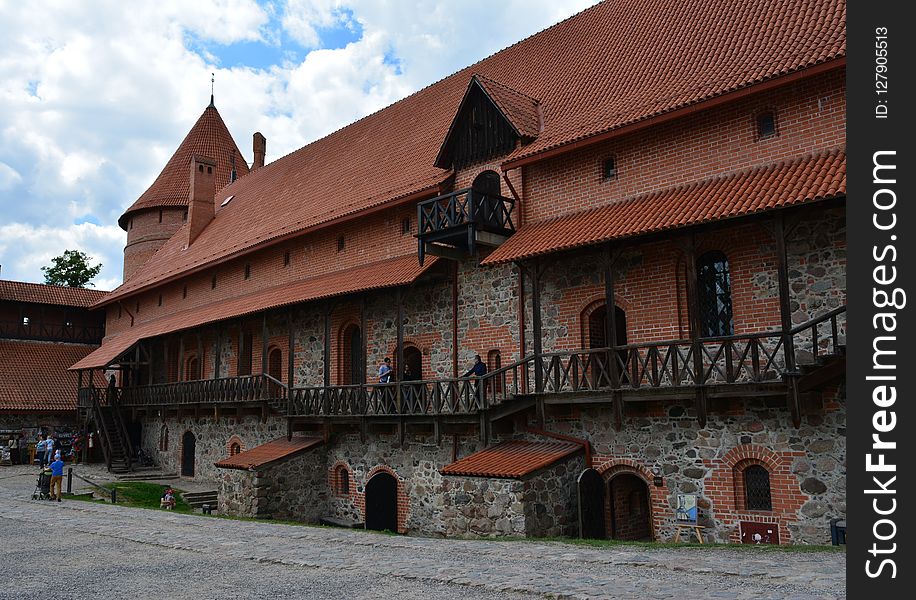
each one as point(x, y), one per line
point(43, 330)
point(635, 218)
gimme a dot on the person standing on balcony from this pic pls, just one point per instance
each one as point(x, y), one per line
point(479, 369)
point(384, 371)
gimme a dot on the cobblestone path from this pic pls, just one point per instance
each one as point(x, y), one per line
point(109, 550)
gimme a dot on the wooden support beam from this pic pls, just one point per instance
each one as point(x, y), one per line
point(693, 318)
point(200, 355)
point(399, 371)
point(536, 327)
point(181, 373)
point(291, 351)
point(785, 314)
point(218, 353)
point(610, 320)
point(363, 342)
point(327, 344)
point(264, 342)
point(455, 320)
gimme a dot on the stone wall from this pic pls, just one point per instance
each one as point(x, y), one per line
point(211, 439)
point(551, 499)
point(483, 507)
point(807, 466)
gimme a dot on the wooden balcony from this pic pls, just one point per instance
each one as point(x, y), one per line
point(754, 364)
point(453, 225)
point(46, 332)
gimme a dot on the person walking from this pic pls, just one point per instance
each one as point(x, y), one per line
point(57, 478)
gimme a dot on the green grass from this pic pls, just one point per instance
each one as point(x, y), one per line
point(138, 494)
point(146, 495)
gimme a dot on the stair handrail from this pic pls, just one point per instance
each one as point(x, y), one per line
point(106, 439)
point(115, 403)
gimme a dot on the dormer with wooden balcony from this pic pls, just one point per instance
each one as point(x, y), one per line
point(492, 121)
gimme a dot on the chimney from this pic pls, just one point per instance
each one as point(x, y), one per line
point(260, 150)
point(203, 189)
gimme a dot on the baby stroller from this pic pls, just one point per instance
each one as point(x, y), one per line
point(43, 486)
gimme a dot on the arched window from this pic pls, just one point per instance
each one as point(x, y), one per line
point(715, 295)
point(757, 488)
point(495, 363)
point(235, 448)
point(343, 481)
point(164, 439)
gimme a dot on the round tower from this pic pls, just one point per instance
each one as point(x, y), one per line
point(163, 208)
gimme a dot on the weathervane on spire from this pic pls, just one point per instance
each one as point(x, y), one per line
point(212, 79)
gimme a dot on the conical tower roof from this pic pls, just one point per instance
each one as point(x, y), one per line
point(209, 137)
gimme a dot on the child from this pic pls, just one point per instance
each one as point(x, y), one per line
point(168, 499)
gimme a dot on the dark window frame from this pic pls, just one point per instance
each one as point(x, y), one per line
point(610, 170)
point(714, 295)
point(772, 127)
point(758, 493)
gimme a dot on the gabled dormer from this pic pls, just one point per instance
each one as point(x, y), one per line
point(492, 119)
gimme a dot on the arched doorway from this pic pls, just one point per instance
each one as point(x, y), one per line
point(192, 369)
point(351, 344)
point(487, 186)
point(591, 505)
point(275, 370)
point(631, 515)
point(382, 502)
point(188, 451)
point(413, 364)
point(597, 327)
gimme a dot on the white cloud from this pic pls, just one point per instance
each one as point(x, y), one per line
point(9, 177)
point(93, 107)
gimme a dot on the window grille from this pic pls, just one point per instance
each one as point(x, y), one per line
point(757, 488)
point(715, 295)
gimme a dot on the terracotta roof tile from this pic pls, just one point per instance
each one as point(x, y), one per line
point(380, 274)
point(612, 65)
point(521, 110)
point(21, 291)
point(512, 459)
point(813, 177)
point(271, 452)
point(208, 137)
point(35, 378)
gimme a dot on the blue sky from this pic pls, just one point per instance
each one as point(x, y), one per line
point(93, 108)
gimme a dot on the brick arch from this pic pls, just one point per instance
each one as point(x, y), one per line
point(334, 479)
point(403, 500)
point(234, 439)
point(728, 500)
point(393, 353)
point(595, 302)
point(658, 499)
point(342, 353)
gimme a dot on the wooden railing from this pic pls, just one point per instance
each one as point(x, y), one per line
point(39, 330)
point(468, 206)
point(459, 396)
point(251, 388)
point(737, 359)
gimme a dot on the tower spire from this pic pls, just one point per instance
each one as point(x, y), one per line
point(212, 79)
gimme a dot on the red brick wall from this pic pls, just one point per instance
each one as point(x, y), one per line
point(811, 116)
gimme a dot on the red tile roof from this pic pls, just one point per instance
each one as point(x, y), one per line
point(208, 137)
point(519, 109)
point(763, 188)
point(512, 459)
point(34, 376)
point(21, 291)
point(385, 273)
point(270, 452)
point(611, 66)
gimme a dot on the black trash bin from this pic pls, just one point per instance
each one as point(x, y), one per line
point(838, 531)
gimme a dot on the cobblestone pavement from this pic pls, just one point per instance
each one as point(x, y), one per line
point(119, 552)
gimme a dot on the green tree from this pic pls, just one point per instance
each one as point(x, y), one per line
point(70, 269)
